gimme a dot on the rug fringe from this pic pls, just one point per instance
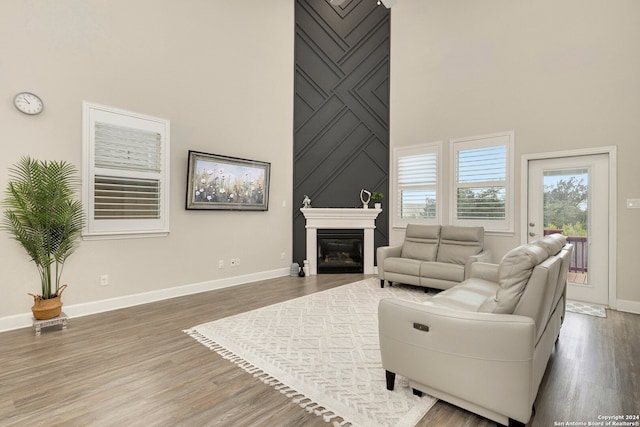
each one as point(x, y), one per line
point(303, 401)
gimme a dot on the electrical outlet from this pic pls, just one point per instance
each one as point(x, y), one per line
point(104, 280)
point(220, 263)
point(282, 256)
point(237, 262)
point(233, 262)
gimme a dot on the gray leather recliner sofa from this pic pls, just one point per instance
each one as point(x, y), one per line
point(484, 344)
point(432, 256)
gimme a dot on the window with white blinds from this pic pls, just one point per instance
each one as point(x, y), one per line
point(126, 172)
point(416, 184)
point(482, 181)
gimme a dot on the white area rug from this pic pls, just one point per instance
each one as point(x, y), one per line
point(584, 308)
point(322, 351)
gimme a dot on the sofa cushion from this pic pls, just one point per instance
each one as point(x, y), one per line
point(442, 271)
point(421, 242)
point(552, 243)
point(468, 296)
point(514, 271)
point(457, 243)
point(406, 266)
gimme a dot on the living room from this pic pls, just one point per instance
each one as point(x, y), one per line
point(562, 76)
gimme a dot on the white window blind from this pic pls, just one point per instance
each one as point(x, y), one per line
point(119, 147)
point(127, 168)
point(126, 198)
point(416, 184)
point(482, 181)
point(126, 149)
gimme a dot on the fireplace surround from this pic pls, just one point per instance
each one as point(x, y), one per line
point(340, 219)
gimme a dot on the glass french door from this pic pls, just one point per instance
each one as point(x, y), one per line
point(569, 195)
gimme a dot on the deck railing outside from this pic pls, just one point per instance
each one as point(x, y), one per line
point(580, 251)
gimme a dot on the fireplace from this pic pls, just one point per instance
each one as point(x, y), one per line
point(340, 219)
point(340, 251)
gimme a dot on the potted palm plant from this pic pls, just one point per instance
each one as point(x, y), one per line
point(43, 214)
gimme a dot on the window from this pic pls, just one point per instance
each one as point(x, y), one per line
point(482, 181)
point(416, 184)
point(125, 173)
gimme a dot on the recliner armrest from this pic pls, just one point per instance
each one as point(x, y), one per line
point(484, 256)
point(498, 337)
point(386, 252)
point(484, 270)
point(482, 358)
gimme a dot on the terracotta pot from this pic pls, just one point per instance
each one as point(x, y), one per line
point(44, 309)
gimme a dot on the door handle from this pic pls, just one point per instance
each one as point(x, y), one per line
point(531, 233)
point(532, 224)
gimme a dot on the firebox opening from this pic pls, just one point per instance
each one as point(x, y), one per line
point(340, 251)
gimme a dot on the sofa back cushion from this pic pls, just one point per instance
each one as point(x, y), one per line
point(552, 243)
point(536, 298)
point(421, 242)
point(514, 271)
point(457, 244)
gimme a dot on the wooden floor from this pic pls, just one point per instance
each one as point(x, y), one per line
point(135, 367)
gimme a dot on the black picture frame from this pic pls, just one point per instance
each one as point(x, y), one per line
point(227, 183)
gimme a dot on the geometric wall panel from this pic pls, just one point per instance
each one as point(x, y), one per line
point(341, 109)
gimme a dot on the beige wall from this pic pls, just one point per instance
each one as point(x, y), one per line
point(562, 75)
point(221, 71)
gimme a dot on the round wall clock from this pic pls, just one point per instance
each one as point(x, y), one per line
point(28, 103)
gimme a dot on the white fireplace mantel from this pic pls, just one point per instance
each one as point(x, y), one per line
point(340, 218)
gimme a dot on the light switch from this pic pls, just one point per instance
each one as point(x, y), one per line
point(633, 203)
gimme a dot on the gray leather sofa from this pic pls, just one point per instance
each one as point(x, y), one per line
point(484, 344)
point(432, 256)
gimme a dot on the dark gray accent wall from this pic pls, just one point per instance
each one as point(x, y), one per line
point(341, 109)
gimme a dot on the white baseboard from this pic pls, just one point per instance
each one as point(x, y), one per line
point(77, 310)
point(628, 306)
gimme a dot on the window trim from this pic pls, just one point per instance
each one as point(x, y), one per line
point(482, 141)
point(427, 148)
point(122, 228)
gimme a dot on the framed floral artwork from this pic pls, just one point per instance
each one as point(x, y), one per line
point(228, 183)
